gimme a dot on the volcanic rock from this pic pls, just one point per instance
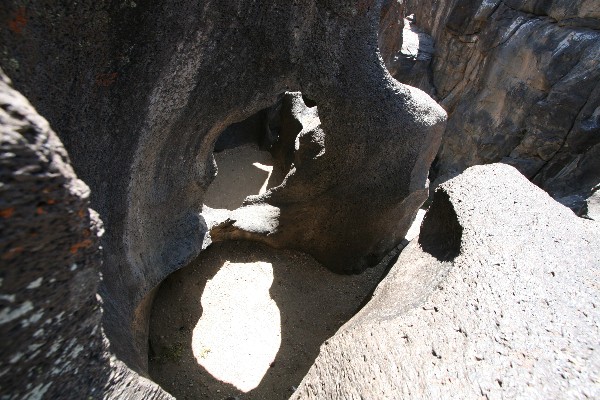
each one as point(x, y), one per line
point(140, 92)
point(520, 81)
point(497, 298)
point(52, 343)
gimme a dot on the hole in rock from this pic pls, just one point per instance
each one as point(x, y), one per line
point(441, 232)
point(247, 320)
point(245, 165)
point(256, 154)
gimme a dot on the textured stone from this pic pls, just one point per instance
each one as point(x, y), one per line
point(581, 13)
point(406, 49)
point(520, 82)
point(498, 298)
point(52, 342)
point(390, 37)
point(593, 205)
point(140, 92)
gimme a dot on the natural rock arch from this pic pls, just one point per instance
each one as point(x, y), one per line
point(365, 155)
point(155, 84)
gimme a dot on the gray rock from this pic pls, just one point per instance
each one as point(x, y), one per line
point(593, 205)
point(498, 298)
point(520, 82)
point(410, 61)
point(140, 92)
point(581, 13)
point(52, 343)
point(390, 37)
point(300, 135)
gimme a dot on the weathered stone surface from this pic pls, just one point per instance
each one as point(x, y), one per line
point(300, 133)
point(413, 64)
point(390, 37)
point(406, 49)
point(140, 91)
point(581, 13)
point(593, 205)
point(497, 298)
point(52, 343)
point(520, 81)
point(306, 211)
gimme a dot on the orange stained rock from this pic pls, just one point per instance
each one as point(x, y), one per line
point(7, 212)
point(81, 245)
point(17, 24)
point(12, 253)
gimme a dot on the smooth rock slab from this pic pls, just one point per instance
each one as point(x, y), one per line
point(505, 307)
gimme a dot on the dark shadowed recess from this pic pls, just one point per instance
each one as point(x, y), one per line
point(261, 128)
point(441, 232)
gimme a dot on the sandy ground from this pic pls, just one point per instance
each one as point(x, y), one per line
point(242, 171)
point(245, 321)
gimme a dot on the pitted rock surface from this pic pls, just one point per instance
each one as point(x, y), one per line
point(140, 92)
point(506, 307)
point(52, 342)
point(520, 82)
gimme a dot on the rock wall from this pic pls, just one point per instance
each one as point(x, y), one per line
point(390, 37)
point(486, 303)
point(52, 344)
point(520, 80)
point(140, 91)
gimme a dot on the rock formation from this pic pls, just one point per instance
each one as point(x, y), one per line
point(520, 82)
point(498, 298)
point(52, 341)
point(406, 49)
point(139, 94)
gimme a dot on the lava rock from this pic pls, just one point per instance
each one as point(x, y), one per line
point(496, 298)
point(140, 91)
point(52, 343)
point(390, 36)
point(520, 81)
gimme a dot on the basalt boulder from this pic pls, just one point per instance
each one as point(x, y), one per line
point(52, 345)
point(497, 298)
